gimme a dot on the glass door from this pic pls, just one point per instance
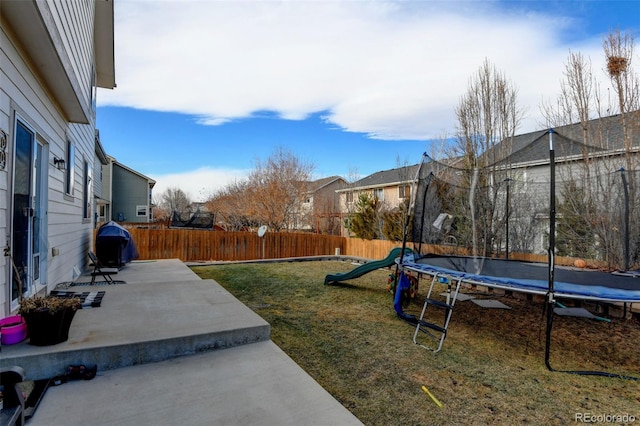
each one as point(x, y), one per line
point(28, 254)
point(37, 218)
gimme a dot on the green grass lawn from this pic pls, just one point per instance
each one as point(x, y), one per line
point(490, 370)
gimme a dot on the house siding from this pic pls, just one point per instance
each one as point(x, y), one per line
point(24, 96)
point(129, 190)
point(74, 24)
point(97, 177)
point(536, 186)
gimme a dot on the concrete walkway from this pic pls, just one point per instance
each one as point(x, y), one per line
point(173, 349)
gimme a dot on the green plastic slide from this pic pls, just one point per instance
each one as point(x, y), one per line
point(367, 267)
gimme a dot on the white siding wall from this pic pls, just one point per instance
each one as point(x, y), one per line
point(4, 180)
point(74, 21)
point(22, 93)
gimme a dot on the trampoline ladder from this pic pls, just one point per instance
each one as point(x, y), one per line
point(435, 331)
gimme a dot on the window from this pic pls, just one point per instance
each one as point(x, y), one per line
point(349, 197)
point(378, 193)
point(141, 211)
point(404, 191)
point(70, 169)
point(86, 194)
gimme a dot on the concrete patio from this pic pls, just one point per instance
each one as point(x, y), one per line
point(173, 349)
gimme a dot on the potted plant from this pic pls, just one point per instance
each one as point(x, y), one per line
point(48, 318)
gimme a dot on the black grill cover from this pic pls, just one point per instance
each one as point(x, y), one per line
point(114, 245)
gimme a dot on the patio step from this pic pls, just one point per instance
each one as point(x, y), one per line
point(145, 321)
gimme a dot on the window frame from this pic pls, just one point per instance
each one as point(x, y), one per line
point(70, 169)
point(86, 193)
point(142, 207)
point(403, 190)
point(349, 197)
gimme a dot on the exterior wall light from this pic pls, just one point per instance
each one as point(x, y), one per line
point(59, 163)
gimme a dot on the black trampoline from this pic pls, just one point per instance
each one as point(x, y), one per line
point(532, 278)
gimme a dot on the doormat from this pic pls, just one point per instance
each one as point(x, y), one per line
point(89, 299)
point(68, 284)
point(98, 283)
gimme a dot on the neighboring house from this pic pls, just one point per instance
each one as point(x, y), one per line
point(320, 211)
point(53, 55)
point(390, 187)
point(590, 156)
point(131, 193)
point(596, 165)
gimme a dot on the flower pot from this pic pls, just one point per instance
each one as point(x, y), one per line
point(13, 330)
point(46, 328)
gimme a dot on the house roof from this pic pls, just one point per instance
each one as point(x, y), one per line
point(130, 170)
point(383, 178)
point(317, 185)
point(603, 135)
point(100, 153)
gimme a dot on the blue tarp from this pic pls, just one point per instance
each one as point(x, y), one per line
point(114, 245)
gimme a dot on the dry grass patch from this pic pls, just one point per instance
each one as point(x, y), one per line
point(491, 368)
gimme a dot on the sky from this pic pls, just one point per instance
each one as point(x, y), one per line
point(206, 89)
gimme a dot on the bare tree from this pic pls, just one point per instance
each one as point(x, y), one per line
point(618, 50)
point(594, 176)
point(276, 189)
point(488, 116)
point(174, 200)
point(577, 97)
point(229, 205)
point(271, 195)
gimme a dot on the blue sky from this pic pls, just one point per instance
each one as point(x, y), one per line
point(205, 88)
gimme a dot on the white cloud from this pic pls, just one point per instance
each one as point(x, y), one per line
point(198, 184)
point(392, 70)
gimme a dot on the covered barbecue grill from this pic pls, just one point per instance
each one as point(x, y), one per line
point(114, 245)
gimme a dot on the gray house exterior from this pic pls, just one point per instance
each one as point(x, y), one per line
point(131, 194)
point(589, 158)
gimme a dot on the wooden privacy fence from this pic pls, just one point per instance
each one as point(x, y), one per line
point(191, 245)
point(197, 245)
